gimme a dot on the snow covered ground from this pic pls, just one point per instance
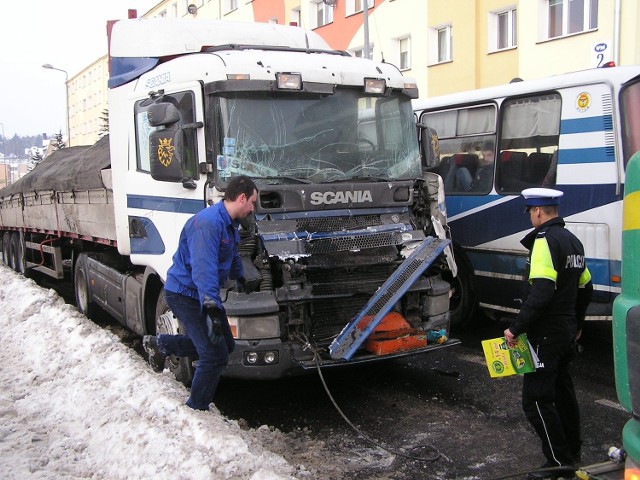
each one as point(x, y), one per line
point(77, 403)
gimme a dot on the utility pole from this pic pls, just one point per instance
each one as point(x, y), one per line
point(365, 10)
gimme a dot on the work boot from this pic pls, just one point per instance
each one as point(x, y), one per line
point(156, 357)
point(552, 471)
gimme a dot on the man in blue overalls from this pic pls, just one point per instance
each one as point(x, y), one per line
point(207, 256)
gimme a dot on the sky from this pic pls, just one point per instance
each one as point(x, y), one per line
point(75, 402)
point(68, 34)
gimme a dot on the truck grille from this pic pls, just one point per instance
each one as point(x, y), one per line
point(337, 224)
point(356, 242)
point(348, 282)
point(329, 316)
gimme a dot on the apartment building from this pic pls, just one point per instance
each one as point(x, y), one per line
point(446, 45)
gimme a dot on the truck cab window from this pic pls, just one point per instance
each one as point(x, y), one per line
point(184, 102)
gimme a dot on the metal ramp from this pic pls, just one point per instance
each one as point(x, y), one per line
point(351, 337)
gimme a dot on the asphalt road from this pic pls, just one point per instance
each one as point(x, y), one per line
point(443, 402)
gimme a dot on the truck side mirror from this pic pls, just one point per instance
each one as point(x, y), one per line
point(429, 147)
point(166, 145)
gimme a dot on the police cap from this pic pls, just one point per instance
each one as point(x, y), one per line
point(538, 197)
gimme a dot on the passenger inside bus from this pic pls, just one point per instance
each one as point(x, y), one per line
point(472, 176)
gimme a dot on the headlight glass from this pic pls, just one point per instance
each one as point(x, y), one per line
point(254, 328)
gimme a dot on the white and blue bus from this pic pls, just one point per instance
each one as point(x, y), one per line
point(573, 132)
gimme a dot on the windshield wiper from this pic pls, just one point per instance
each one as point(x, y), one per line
point(370, 178)
point(283, 177)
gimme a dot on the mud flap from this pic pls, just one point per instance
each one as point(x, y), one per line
point(352, 337)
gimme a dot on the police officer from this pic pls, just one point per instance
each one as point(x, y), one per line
point(559, 291)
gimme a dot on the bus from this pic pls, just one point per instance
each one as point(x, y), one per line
point(573, 132)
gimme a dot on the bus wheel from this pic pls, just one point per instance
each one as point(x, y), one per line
point(81, 287)
point(167, 322)
point(462, 305)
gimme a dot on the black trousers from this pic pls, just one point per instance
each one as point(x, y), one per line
point(550, 404)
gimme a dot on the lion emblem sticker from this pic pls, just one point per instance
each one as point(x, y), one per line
point(583, 102)
point(165, 151)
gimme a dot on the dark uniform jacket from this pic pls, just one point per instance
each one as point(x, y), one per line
point(559, 288)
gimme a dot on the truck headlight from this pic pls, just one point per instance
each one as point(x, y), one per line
point(255, 327)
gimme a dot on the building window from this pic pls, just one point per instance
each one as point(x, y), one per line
point(502, 30)
point(405, 53)
point(230, 5)
point(294, 17)
point(360, 52)
point(355, 6)
point(440, 44)
point(566, 17)
point(324, 14)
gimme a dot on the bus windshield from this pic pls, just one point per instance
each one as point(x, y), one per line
point(315, 138)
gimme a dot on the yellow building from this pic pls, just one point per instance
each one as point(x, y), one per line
point(446, 45)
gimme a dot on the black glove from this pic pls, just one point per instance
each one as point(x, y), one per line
point(214, 323)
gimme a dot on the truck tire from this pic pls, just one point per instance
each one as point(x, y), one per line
point(84, 304)
point(168, 323)
point(463, 302)
point(17, 253)
point(6, 249)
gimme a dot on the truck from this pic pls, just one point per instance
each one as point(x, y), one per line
point(348, 252)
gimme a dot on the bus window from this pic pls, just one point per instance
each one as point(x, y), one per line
point(530, 130)
point(630, 120)
point(467, 138)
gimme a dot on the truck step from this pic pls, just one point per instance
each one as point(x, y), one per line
point(352, 336)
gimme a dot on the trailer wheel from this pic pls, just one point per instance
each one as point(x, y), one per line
point(167, 322)
point(17, 253)
point(463, 301)
point(81, 287)
point(6, 249)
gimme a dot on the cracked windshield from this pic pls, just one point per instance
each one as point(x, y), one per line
point(315, 139)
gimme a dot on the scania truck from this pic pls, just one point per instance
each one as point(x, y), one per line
point(348, 251)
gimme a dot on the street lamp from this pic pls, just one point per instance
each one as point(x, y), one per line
point(66, 83)
point(4, 140)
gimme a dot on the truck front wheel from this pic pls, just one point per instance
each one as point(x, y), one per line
point(463, 300)
point(168, 323)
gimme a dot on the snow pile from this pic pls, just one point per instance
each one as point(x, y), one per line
point(77, 403)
